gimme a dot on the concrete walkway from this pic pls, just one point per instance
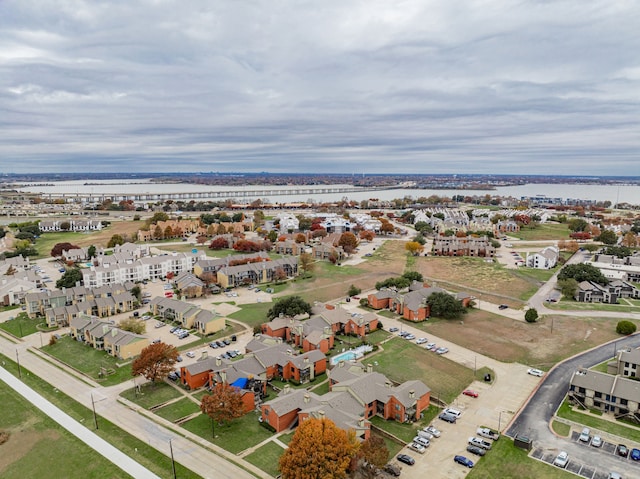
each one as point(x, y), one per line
point(124, 462)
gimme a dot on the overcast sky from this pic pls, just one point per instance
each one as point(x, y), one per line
point(514, 87)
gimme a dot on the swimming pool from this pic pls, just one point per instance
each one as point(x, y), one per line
point(351, 355)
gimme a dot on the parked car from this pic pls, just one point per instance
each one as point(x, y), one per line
point(442, 350)
point(476, 441)
point(535, 372)
point(453, 412)
point(213, 344)
point(433, 431)
point(191, 354)
point(585, 435)
point(421, 340)
point(393, 330)
point(470, 393)
point(596, 441)
point(419, 448)
point(614, 475)
point(561, 459)
point(635, 454)
point(179, 359)
point(408, 460)
point(410, 337)
point(488, 433)
point(503, 306)
point(448, 417)
point(233, 354)
point(622, 450)
point(220, 344)
point(183, 335)
point(226, 342)
point(425, 434)
point(464, 461)
point(478, 451)
point(422, 441)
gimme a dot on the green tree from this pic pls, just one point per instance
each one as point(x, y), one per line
point(568, 287)
point(133, 325)
point(531, 316)
point(318, 450)
point(608, 237)
point(305, 261)
point(115, 240)
point(625, 327)
point(289, 306)
point(135, 291)
point(413, 276)
point(582, 272)
point(577, 224)
point(353, 290)
point(445, 306)
point(69, 278)
point(91, 251)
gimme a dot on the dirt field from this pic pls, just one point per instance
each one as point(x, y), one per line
point(123, 228)
point(533, 344)
point(328, 283)
point(20, 443)
point(475, 276)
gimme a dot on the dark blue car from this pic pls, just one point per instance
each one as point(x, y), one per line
point(464, 461)
point(635, 454)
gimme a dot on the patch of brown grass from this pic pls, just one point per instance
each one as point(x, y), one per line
point(508, 340)
point(101, 238)
point(21, 443)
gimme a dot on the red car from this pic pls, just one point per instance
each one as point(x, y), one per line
point(469, 392)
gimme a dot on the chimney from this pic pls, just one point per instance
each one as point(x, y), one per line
point(306, 360)
point(361, 422)
point(286, 389)
point(369, 368)
point(341, 363)
point(321, 413)
point(218, 361)
point(223, 377)
point(307, 398)
point(387, 383)
point(289, 352)
point(204, 355)
point(412, 394)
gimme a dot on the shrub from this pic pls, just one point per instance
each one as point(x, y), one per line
point(531, 316)
point(625, 327)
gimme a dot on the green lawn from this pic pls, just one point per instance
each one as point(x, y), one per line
point(266, 458)
point(547, 231)
point(403, 431)
point(21, 326)
point(506, 460)
point(252, 314)
point(286, 438)
point(446, 378)
point(151, 395)
point(177, 410)
point(88, 360)
point(561, 428)
point(570, 304)
point(39, 447)
point(235, 436)
point(602, 367)
point(616, 428)
point(139, 450)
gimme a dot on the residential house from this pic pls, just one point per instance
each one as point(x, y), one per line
point(105, 336)
point(189, 285)
point(466, 246)
point(591, 292)
point(257, 273)
point(617, 395)
point(626, 363)
point(547, 258)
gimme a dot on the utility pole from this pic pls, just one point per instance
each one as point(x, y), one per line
point(95, 417)
point(173, 462)
point(18, 361)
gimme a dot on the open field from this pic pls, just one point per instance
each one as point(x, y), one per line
point(516, 341)
point(266, 458)
point(474, 275)
point(547, 231)
point(139, 450)
point(40, 448)
point(22, 325)
point(445, 377)
point(88, 360)
point(151, 395)
point(177, 410)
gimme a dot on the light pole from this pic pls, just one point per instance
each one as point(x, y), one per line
point(18, 362)
point(95, 417)
point(173, 462)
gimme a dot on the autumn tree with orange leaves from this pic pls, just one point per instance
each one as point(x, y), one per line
point(373, 455)
point(222, 405)
point(155, 362)
point(318, 449)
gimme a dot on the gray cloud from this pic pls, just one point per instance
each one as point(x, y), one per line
point(333, 86)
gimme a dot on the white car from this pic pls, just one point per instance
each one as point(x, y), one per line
point(453, 412)
point(414, 446)
point(535, 372)
point(421, 340)
point(410, 337)
point(433, 431)
point(191, 354)
point(430, 346)
point(561, 460)
point(596, 441)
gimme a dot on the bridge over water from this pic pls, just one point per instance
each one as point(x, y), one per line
point(254, 193)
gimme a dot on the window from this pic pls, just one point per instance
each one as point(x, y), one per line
point(598, 395)
point(623, 402)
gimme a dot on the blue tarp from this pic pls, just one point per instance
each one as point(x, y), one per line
point(240, 383)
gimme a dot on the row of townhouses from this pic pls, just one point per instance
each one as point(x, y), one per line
point(104, 336)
